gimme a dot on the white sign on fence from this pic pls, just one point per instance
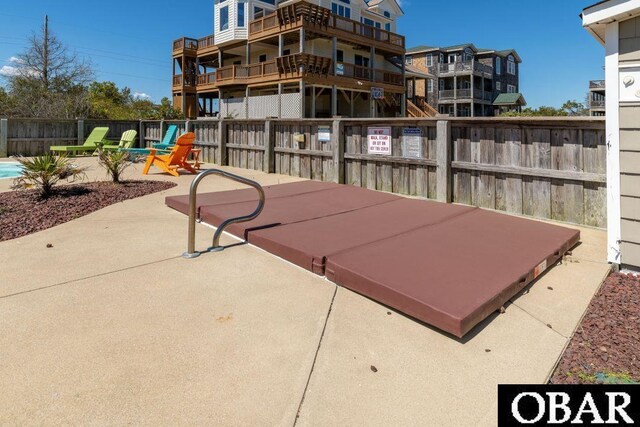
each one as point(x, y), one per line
point(412, 143)
point(324, 133)
point(379, 140)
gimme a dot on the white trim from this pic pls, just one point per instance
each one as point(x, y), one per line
point(614, 226)
point(613, 10)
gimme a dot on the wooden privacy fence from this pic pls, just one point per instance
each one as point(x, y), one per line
point(550, 168)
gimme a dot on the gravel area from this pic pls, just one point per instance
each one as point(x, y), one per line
point(606, 345)
point(22, 212)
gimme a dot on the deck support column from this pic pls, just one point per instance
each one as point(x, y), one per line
point(302, 40)
point(280, 99)
point(303, 100)
point(473, 89)
point(247, 93)
point(353, 107)
point(334, 55)
point(280, 45)
point(313, 102)
point(334, 101)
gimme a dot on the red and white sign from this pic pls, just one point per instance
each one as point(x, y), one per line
point(379, 140)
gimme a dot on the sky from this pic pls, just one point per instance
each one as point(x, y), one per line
point(129, 42)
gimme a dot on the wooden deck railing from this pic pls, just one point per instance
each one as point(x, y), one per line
point(206, 42)
point(185, 43)
point(319, 18)
point(300, 65)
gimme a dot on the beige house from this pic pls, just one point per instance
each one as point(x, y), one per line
point(616, 25)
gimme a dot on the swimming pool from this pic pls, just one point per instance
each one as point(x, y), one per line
point(9, 170)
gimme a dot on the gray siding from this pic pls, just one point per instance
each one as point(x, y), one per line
point(630, 151)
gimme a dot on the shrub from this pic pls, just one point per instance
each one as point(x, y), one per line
point(45, 171)
point(115, 162)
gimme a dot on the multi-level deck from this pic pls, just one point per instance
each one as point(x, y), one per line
point(320, 20)
point(281, 49)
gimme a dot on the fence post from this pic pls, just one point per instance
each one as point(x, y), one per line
point(4, 137)
point(269, 153)
point(161, 131)
point(443, 156)
point(142, 141)
point(80, 131)
point(222, 142)
point(337, 140)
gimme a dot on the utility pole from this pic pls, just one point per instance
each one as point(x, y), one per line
point(45, 62)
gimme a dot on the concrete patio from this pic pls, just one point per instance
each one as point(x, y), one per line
point(112, 326)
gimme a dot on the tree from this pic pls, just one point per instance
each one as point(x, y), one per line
point(49, 80)
point(575, 108)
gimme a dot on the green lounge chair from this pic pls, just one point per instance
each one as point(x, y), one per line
point(126, 141)
point(90, 144)
point(167, 143)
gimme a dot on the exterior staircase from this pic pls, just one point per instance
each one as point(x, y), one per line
point(420, 108)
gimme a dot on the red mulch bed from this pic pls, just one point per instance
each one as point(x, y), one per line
point(606, 345)
point(23, 212)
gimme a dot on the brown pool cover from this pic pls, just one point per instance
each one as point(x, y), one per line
point(447, 265)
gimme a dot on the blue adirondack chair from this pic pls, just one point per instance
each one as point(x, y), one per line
point(167, 143)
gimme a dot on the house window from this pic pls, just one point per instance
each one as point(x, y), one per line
point(339, 55)
point(258, 12)
point(286, 52)
point(511, 89)
point(441, 84)
point(262, 58)
point(387, 26)
point(341, 10)
point(429, 60)
point(452, 58)
point(361, 61)
point(224, 18)
point(499, 86)
point(442, 58)
point(498, 66)
point(409, 60)
point(430, 86)
point(241, 15)
point(511, 66)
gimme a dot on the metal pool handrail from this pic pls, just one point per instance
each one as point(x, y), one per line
point(191, 247)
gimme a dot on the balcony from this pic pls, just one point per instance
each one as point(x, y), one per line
point(317, 69)
point(318, 19)
point(597, 84)
point(194, 47)
point(181, 82)
point(596, 105)
point(462, 68)
point(465, 95)
point(185, 45)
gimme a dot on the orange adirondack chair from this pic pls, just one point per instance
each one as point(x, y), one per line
point(176, 159)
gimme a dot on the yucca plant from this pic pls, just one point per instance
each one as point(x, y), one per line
point(45, 171)
point(115, 162)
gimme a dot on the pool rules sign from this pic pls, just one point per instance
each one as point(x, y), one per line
point(379, 139)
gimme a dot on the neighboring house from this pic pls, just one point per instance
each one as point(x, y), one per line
point(294, 59)
point(616, 25)
point(597, 98)
point(466, 80)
